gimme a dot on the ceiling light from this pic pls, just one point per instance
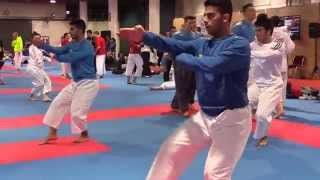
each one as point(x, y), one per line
point(52, 1)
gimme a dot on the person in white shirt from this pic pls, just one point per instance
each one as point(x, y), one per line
point(266, 84)
point(282, 33)
point(40, 80)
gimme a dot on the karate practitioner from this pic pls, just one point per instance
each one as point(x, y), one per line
point(40, 80)
point(134, 59)
point(245, 28)
point(183, 99)
point(78, 96)
point(265, 90)
point(281, 33)
point(222, 66)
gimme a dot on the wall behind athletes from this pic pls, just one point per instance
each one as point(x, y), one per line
point(38, 9)
point(308, 12)
point(55, 29)
point(22, 11)
point(46, 18)
point(195, 7)
point(305, 46)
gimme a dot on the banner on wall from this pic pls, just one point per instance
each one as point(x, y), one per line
point(296, 2)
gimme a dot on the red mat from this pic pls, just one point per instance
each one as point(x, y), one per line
point(31, 150)
point(58, 82)
point(28, 90)
point(290, 131)
point(294, 132)
point(296, 85)
point(25, 90)
point(101, 115)
point(8, 68)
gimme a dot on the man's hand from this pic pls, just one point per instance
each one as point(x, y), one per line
point(133, 35)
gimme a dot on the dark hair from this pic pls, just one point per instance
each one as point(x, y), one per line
point(79, 23)
point(173, 27)
point(89, 31)
point(187, 18)
point(225, 6)
point(276, 21)
point(1, 44)
point(264, 21)
point(34, 33)
point(65, 35)
point(96, 32)
point(246, 6)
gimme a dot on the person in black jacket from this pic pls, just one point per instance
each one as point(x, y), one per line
point(1, 60)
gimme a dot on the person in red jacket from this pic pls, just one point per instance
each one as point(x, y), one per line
point(65, 68)
point(101, 51)
point(134, 59)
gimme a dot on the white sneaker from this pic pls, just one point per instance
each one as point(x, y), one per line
point(303, 97)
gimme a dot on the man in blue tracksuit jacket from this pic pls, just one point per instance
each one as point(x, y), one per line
point(184, 78)
point(223, 124)
point(246, 28)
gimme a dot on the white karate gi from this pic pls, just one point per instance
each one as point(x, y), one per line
point(226, 136)
point(40, 80)
point(283, 34)
point(266, 84)
point(76, 98)
point(134, 60)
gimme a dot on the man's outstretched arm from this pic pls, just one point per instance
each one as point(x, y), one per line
point(138, 34)
point(56, 50)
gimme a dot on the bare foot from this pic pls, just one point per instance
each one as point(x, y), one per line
point(263, 142)
point(189, 113)
point(278, 115)
point(81, 140)
point(176, 110)
point(46, 98)
point(32, 98)
point(279, 111)
point(52, 136)
point(84, 137)
point(49, 140)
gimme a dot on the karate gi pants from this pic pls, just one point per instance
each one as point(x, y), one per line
point(285, 83)
point(40, 81)
point(65, 68)
point(226, 136)
point(264, 100)
point(76, 98)
point(134, 60)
